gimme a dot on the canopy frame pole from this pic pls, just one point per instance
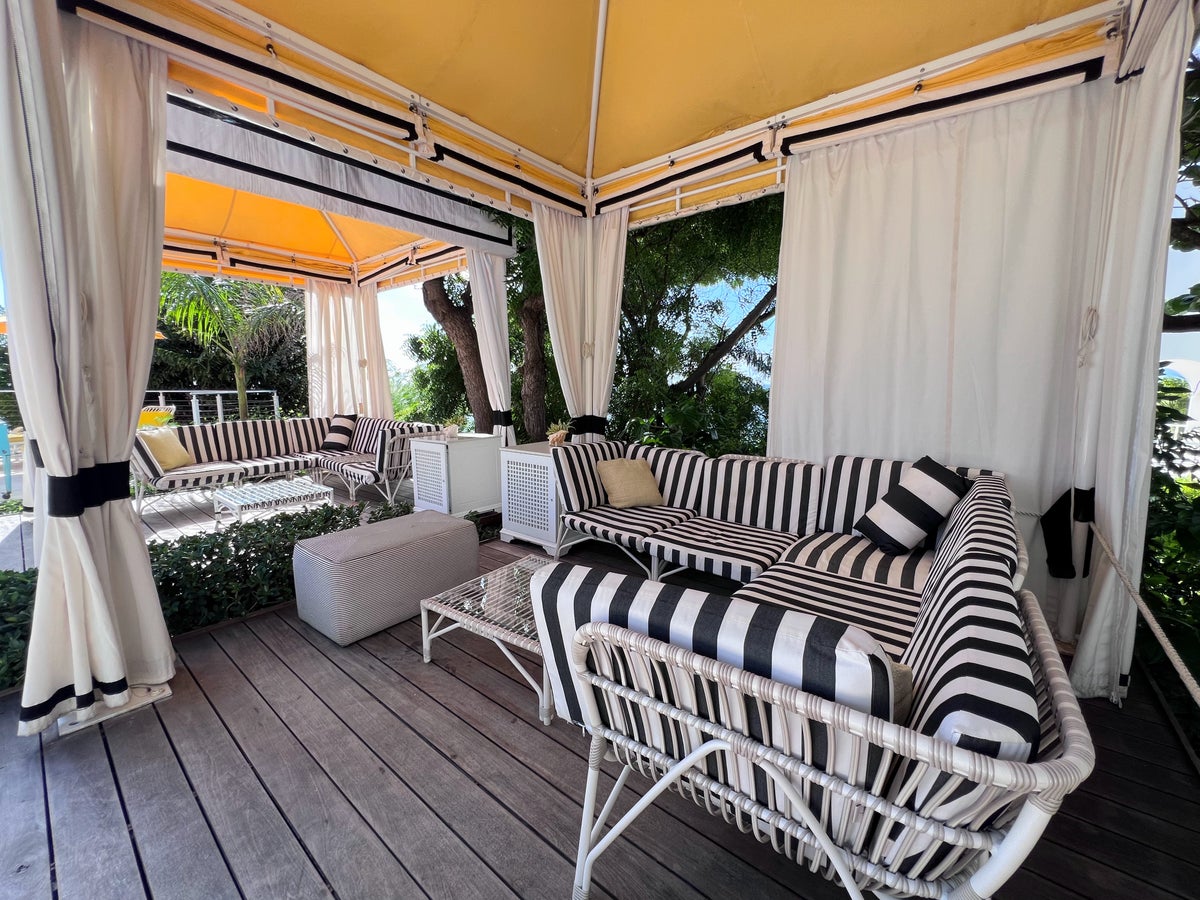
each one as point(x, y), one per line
point(597, 73)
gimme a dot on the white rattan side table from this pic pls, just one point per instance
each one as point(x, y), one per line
point(241, 498)
point(495, 606)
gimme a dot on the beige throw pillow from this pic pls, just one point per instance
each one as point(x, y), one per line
point(164, 445)
point(629, 482)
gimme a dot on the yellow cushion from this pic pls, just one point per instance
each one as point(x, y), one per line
point(164, 446)
point(629, 482)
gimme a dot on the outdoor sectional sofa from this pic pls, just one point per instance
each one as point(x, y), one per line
point(231, 452)
point(786, 708)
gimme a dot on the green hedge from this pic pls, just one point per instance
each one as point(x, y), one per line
point(203, 579)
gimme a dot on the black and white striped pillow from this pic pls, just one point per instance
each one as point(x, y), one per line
point(912, 510)
point(341, 430)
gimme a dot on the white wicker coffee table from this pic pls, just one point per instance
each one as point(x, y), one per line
point(494, 606)
point(241, 498)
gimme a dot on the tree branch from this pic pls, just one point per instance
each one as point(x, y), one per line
point(763, 310)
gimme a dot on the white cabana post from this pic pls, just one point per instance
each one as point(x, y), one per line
point(936, 280)
point(347, 368)
point(583, 267)
point(490, 296)
point(81, 228)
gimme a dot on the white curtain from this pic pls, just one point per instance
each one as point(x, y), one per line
point(81, 220)
point(583, 267)
point(934, 284)
point(1120, 371)
point(347, 367)
point(490, 296)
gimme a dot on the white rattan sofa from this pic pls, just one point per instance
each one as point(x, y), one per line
point(777, 709)
point(231, 452)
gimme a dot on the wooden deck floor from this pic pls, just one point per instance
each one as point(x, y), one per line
point(285, 766)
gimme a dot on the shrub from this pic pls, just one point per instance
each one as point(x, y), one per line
point(203, 579)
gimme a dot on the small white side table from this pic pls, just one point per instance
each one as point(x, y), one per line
point(530, 496)
point(456, 475)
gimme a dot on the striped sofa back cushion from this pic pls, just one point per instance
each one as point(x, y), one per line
point(680, 473)
point(853, 484)
point(781, 495)
point(306, 435)
point(224, 441)
point(366, 433)
point(982, 522)
point(143, 463)
point(394, 459)
point(575, 471)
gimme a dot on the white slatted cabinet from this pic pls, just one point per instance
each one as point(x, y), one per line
point(456, 476)
point(529, 494)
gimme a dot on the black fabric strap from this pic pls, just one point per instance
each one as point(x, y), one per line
point(67, 496)
point(1057, 527)
point(66, 692)
point(588, 425)
point(502, 417)
point(36, 452)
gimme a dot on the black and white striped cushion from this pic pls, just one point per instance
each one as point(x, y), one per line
point(679, 473)
point(208, 443)
point(912, 511)
point(973, 686)
point(341, 432)
point(855, 556)
point(575, 472)
point(275, 465)
point(826, 658)
point(734, 551)
point(366, 433)
point(853, 484)
point(982, 522)
point(145, 466)
point(356, 467)
point(305, 435)
point(887, 613)
point(207, 474)
point(778, 495)
point(627, 527)
point(390, 464)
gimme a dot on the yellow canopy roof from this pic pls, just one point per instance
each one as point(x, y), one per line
point(211, 228)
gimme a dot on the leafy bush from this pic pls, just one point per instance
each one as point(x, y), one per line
point(203, 579)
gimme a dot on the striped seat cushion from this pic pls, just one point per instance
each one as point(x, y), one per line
point(857, 557)
point(356, 467)
point(575, 472)
point(738, 552)
point(679, 473)
point(275, 465)
point(774, 494)
point(201, 475)
point(787, 646)
point(886, 613)
point(627, 527)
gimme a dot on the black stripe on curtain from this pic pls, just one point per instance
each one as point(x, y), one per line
point(66, 692)
point(67, 496)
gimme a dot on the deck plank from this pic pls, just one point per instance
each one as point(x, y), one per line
point(24, 842)
point(504, 773)
point(566, 769)
point(348, 853)
point(179, 855)
point(437, 858)
point(94, 858)
point(244, 820)
point(514, 850)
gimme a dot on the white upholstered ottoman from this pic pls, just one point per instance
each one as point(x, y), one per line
point(353, 583)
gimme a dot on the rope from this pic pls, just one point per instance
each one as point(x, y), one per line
point(1185, 674)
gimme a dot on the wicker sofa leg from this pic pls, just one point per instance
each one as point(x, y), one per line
point(1008, 856)
point(139, 496)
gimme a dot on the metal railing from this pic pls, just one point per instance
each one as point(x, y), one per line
point(215, 406)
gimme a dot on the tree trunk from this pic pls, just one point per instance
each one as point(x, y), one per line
point(239, 381)
point(763, 310)
point(532, 316)
point(459, 324)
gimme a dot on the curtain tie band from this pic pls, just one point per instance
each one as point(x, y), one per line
point(67, 496)
point(502, 417)
point(588, 425)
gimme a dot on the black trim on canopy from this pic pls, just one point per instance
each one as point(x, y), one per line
point(420, 261)
point(66, 692)
point(171, 248)
point(235, 261)
point(587, 425)
point(230, 59)
point(67, 496)
point(755, 150)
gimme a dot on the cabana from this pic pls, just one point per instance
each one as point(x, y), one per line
point(976, 201)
